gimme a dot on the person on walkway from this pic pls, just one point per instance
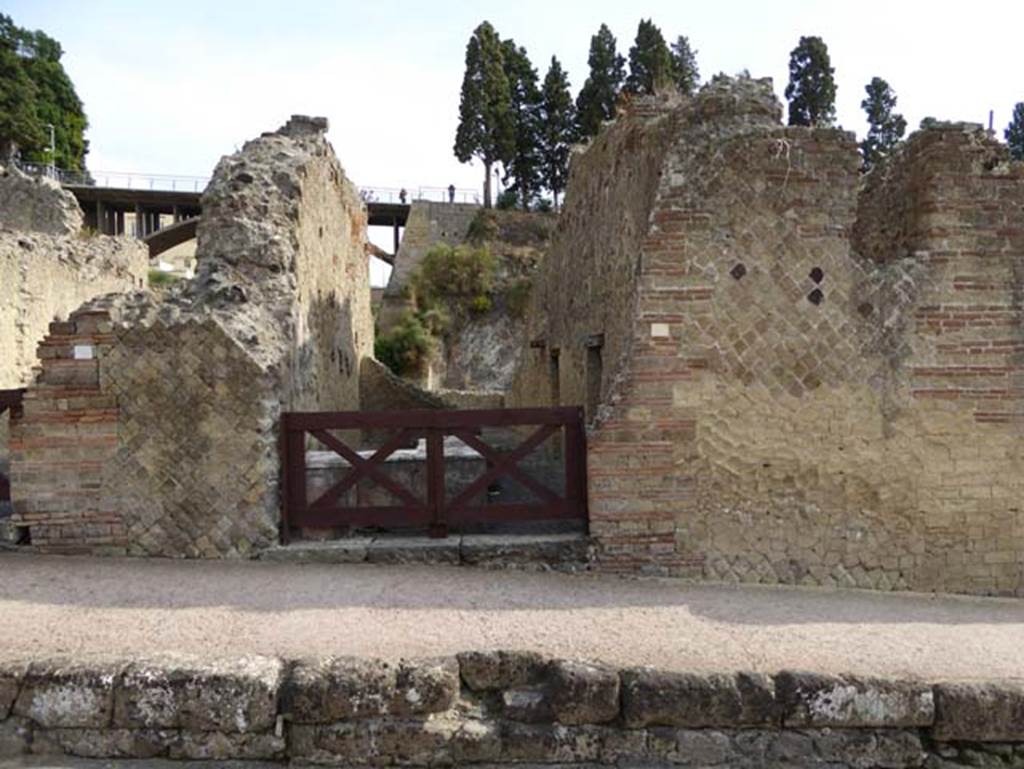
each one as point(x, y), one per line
point(402, 195)
point(451, 193)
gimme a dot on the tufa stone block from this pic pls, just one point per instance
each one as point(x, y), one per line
point(810, 699)
point(61, 693)
point(697, 700)
point(980, 712)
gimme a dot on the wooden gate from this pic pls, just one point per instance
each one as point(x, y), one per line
point(437, 510)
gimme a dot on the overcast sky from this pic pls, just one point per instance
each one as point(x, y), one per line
point(171, 87)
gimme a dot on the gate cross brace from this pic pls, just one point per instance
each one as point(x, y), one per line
point(361, 467)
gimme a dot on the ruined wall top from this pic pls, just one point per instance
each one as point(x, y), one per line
point(33, 204)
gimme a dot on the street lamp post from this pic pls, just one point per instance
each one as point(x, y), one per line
point(53, 151)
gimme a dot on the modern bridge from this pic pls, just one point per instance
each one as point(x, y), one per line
point(108, 198)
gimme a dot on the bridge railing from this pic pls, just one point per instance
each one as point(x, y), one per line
point(175, 183)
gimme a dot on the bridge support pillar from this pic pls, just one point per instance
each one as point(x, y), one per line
point(119, 228)
point(395, 223)
point(101, 227)
point(140, 228)
point(176, 214)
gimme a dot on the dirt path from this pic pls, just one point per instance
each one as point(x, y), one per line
point(103, 607)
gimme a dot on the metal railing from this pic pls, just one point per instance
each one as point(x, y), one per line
point(176, 183)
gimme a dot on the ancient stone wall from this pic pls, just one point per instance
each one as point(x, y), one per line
point(820, 387)
point(499, 709)
point(36, 204)
point(153, 426)
point(48, 267)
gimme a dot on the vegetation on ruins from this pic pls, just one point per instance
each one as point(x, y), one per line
point(522, 167)
point(685, 71)
point(486, 129)
point(406, 347)
point(886, 127)
point(596, 100)
point(1014, 133)
point(36, 93)
point(811, 91)
point(558, 119)
point(650, 61)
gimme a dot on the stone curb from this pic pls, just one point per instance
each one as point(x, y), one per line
point(479, 707)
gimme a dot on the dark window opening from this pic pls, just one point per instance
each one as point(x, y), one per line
point(554, 383)
point(593, 373)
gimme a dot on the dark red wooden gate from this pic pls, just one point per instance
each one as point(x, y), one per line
point(437, 511)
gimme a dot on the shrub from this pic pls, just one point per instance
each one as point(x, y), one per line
point(407, 347)
point(484, 227)
point(161, 279)
point(449, 279)
point(517, 296)
point(507, 200)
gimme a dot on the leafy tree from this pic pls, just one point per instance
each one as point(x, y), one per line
point(556, 136)
point(596, 100)
point(486, 126)
point(650, 61)
point(684, 66)
point(886, 127)
point(1014, 133)
point(52, 99)
point(523, 164)
point(19, 122)
point(812, 89)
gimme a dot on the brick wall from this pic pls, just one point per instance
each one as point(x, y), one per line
point(820, 381)
point(188, 387)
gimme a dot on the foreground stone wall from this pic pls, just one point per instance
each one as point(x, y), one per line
point(152, 428)
point(822, 382)
point(499, 708)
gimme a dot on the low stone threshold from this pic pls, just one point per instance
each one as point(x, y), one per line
point(565, 551)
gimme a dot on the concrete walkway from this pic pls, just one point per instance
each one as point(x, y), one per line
point(97, 608)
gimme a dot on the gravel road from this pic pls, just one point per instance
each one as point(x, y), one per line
point(97, 608)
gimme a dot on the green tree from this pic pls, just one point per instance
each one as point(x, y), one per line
point(812, 88)
point(19, 122)
point(1014, 133)
point(522, 166)
point(650, 61)
point(53, 100)
point(684, 66)
point(486, 127)
point(558, 119)
point(886, 127)
point(596, 100)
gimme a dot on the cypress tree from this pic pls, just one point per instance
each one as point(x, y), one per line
point(522, 165)
point(557, 128)
point(886, 127)
point(1014, 133)
point(812, 89)
point(596, 100)
point(650, 61)
point(486, 129)
point(684, 66)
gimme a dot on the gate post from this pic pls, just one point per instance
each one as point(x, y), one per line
point(435, 483)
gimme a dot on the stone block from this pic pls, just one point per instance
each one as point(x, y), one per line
point(583, 693)
point(236, 696)
point(395, 550)
point(15, 737)
point(220, 746)
point(527, 704)
point(337, 689)
point(66, 694)
point(980, 712)
point(103, 743)
point(413, 742)
point(349, 550)
point(11, 675)
point(501, 669)
point(697, 700)
point(814, 700)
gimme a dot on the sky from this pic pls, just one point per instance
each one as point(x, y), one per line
point(171, 87)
